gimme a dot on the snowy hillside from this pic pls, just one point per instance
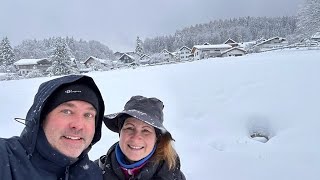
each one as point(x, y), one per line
point(212, 107)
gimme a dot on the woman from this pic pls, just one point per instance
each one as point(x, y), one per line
point(144, 150)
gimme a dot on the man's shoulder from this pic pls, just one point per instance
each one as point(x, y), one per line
point(7, 142)
point(10, 144)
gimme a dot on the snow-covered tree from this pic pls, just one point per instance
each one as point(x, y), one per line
point(7, 57)
point(139, 47)
point(308, 19)
point(35, 73)
point(61, 60)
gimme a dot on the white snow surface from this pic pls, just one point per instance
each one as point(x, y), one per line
point(211, 108)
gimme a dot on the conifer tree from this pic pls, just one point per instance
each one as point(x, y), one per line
point(139, 48)
point(308, 19)
point(7, 57)
point(61, 60)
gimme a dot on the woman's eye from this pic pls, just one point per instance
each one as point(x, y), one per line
point(129, 128)
point(146, 131)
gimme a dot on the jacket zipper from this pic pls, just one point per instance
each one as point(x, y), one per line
point(67, 173)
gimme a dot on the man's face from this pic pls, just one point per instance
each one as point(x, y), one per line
point(70, 127)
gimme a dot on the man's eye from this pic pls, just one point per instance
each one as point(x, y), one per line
point(66, 111)
point(89, 115)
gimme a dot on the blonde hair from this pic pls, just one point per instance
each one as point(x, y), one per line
point(165, 151)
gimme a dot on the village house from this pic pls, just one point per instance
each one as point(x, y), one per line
point(184, 53)
point(271, 43)
point(316, 37)
point(168, 56)
point(231, 42)
point(130, 59)
point(235, 51)
point(209, 51)
point(93, 61)
point(144, 59)
point(27, 65)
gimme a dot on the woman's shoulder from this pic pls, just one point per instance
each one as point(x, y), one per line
point(106, 157)
point(172, 173)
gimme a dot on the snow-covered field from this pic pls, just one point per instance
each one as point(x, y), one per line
point(212, 107)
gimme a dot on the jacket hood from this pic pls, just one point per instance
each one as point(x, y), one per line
point(33, 119)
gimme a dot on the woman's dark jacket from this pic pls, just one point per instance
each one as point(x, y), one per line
point(150, 171)
point(30, 156)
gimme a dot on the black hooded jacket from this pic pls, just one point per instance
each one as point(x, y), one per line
point(30, 156)
point(150, 171)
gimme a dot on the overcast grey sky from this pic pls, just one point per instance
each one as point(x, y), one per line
point(117, 23)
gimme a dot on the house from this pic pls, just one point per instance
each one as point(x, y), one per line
point(144, 59)
point(235, 51)
point(118, 54)
point(97, 64)
point(184, 53)
point(231, 42)
point(271, 43)
point(208, 51)
point(129, 59)
point(27, 65)
point(93, 60)
point(316, 37)
point(168, 56)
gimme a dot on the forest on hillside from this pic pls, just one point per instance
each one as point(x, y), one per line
point(241, 29)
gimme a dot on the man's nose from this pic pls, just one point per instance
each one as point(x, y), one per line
point(77, 122)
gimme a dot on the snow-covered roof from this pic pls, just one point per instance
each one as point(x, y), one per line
point(144, 55)
point(133, 56)
point(268, 40)
point(229, 41)
point(165, 51)
point(28, 62)
point(184, 47)
point(234, 48)
point(103, 61)
point(213, 46)
point(316, 35)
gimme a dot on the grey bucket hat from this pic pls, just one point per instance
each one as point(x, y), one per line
point(148, 110)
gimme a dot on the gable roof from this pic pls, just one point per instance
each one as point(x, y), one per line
point(165, 51)
point(31, 61)
point(230, 41)
point(232, 49)
point(270, 39)
point(102, 61)
point(184, 47)
point(213, 46)
point(316, 35)
point(133, 56)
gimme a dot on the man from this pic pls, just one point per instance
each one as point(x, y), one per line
point(61, 126)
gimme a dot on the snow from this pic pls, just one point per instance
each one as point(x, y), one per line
point(27, 62)
point(212, 107)
point(212, 46)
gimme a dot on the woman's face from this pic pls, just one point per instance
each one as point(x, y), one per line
point(137, 139)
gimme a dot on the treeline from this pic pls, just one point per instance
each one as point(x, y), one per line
point(241, 29)
point(78, 49)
